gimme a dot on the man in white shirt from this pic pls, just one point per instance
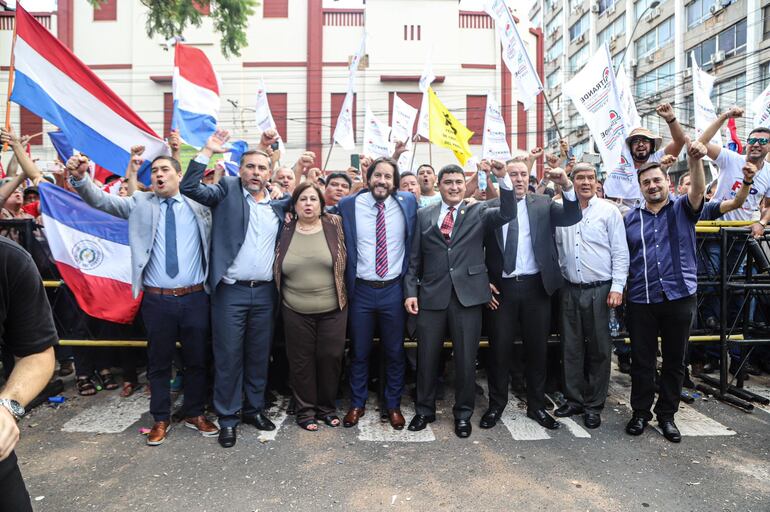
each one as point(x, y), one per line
point(426, 175)
point(593, 256)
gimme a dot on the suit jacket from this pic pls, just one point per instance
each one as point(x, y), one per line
point(142, 210)
point(545, 215)
point(436, 267)
point(335, 239)
point(346, 208)
point(230, 216)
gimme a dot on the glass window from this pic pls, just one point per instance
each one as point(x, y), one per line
point(699, 10)
point(658, 81)
point(641, 6)
point(556, 50)
point(655, 38)
point(556, 23)
point(767, 22)
point(578, 60)
point(729, 92)
point(665, 31)
point(553, 79)
point(615, 28)
point(606, 4)
point(578, 28)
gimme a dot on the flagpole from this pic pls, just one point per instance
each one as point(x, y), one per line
point(10, 80)
point(414, 153)
point(430, 154)
point(553, 117)
point(328, 155)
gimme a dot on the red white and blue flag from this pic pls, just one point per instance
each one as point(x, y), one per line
point(196, 95)
point(91, 251)
point(53, 83)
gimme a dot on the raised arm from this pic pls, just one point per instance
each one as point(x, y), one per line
point(728, 205)
point(134, 164)
point(695, 153)
point(678, 138)
point(304, 162)
point(28, 167)
point(713, 128)
point(506, 212)
point(191, 186)
point(93, 195)
point(568, 212)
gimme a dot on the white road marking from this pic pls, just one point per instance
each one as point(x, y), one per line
point(575, 429)
point(277, 414)
point(113, 416)
point(519, 425)
point(370, 428)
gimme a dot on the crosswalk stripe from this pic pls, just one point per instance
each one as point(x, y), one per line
point(277, 414)
point(575, 429)
point(370, 428)
point(113, 416)
point(519, 425)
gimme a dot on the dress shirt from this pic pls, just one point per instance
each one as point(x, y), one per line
point(254, 261)
point(188, 248)
point(662, 268)
point(429, 200)
point(595, 249)
point(366, 235)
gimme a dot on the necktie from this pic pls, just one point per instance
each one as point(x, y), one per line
point(172, 262)
point(511, 243)
point(448, 224)
point(381, 254)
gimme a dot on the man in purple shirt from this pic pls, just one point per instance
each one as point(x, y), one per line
point(661, 289)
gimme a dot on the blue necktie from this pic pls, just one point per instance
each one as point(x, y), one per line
point(172, 262)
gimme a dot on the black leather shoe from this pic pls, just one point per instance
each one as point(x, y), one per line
point(567, 410)
point(463, 428)
point(544, 419)
point(490, 417)
point(227, 437)
point(260, 421)
point(624, 363)
point(419, 422)
point(592, 420)
point(670, 431)
point(635, 426)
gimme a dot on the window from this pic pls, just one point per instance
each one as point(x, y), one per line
point(575, 4)
point(698, 11)
point(168, 112)
point(275, 8)
point(108, 11)
point(576, 121)
point(641, 6)
point(731, 40)
point(475, 110)
point(412, 32)
point(578, 28)
point(277, 102)
point(30, 124)
point(729, 92)
point(555, 23)
point(551, 136)
point(765, 74)
point(659, 81)
point(579, 149)
point(578, 60)
point(554, 79)
point(766, 25)
point(556, 50)
point(337, 99)
point(605, 4)
point(655, 38)
point(616, 28)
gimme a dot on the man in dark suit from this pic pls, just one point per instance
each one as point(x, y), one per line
point(378, 224)
point(245, 227)
point(524, 271)
point(447, 285)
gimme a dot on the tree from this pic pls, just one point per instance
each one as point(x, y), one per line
point(168, 18)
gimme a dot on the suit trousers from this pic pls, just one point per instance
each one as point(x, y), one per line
point(524, 312)
point(169, 319)
point(671, 321)
point(369, 309)
point(464, 325)
point(586, 345)
point(13, 493)
point(315, 345)
point(243, 320)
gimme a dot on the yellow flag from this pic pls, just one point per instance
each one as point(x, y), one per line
point(446, 130)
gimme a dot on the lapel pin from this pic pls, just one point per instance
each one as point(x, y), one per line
point(462, 212)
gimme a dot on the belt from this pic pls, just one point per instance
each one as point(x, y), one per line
point(175, 292)
point(525, 277)
point(378, 284)
point(251, 284)
point(584, 286)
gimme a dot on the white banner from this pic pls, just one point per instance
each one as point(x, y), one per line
point(427, 77)
point(402, 120)
point(343, 131)
point(494, 146)
point(627, 99)
point(264, 116)
point(705, 113)
point(375, 136)
point(760, 107)
point(353, 67)
point(594, 93)
point(514, 52)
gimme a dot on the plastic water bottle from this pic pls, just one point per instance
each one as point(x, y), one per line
point(482, 180)
point(614, 323)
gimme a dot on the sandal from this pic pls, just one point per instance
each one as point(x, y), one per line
point(85, 386)
point(310, 425)
point(128, 389)
point(66, 368)
point(108, 380)
point(330, 420)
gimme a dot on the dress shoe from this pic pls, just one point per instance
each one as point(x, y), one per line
point(624, 363)
point(260, 421)
point(592, 420)
point(227, 437)
point(463, 428)
point(670, 432)
point(635, 426)
point(490, 417)
point(419, 422)
point(544, 419)
point(352, 417)
point(202, 425)
point(396, 419)
point(711, 366)
point(567, 410)
point(158, 433)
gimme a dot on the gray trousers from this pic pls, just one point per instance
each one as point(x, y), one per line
point(586, 345)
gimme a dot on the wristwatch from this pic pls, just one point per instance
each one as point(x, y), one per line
point(14, 407)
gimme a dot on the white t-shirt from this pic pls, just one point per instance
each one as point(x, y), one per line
point(730, 164)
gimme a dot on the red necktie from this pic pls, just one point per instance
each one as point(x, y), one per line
point(448, 224)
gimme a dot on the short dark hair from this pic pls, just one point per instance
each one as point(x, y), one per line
point(407, 173)
point(340, 175)
point(682, 177)
point(428, 166)
point(386, 160)
point(761, 129)
point(252, 152)
point(649, 166)
point(450, 169)
point(174, 162)
point(301, 188)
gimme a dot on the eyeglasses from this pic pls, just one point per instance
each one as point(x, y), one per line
point(637, 140)
point(755, 140)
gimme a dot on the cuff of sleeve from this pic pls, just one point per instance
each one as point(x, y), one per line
point(202, 159)
point(569, 195)
point(617, 287)
point(77, 183)
point(506, 183)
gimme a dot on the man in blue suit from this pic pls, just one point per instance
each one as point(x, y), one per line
point(245, 226)
point(379, 224)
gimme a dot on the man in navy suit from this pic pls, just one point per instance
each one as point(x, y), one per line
point(379, 224)
point(246, 223)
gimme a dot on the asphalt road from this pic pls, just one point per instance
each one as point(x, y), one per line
point(88, 454)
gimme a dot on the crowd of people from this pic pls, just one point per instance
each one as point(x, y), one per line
point(227, 264)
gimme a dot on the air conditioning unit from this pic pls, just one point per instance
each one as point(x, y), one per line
point(610, 10)
point(651, 58)
point(579, 132)
point(718, 57)
point(553, 32)
point(687, 73)
point(580, 39)
point(612, 43)
point(716, 9)
point(595, 8)
point(654, 13)
point(634, 63)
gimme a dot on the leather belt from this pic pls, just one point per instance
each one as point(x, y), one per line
point(251, 284)
point(584, 286)
point(525, 277)
point(175, 292)
point(378, 284)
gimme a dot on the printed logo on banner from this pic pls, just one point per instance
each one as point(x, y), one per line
point(88, 254)
point(625, 172)
point(596, 97)
point(615, 130)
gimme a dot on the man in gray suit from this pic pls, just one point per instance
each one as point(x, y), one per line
point(447, 285)
point(246, 223)
point(169, 239)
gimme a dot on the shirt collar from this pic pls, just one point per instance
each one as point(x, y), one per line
point(643, 204)
point(247, 194)
point(445, 207)
point(177, 197)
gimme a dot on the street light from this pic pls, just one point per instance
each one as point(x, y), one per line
point(652, 5)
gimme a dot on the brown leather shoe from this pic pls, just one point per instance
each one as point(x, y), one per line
point(158, 433)
point(397, 420)
point(352, 417)
point(202, 425)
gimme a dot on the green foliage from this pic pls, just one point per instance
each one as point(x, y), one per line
point(169, 18)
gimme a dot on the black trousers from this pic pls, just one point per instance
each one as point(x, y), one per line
point(671, 321)
point(13, 494)
point(524, 312)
